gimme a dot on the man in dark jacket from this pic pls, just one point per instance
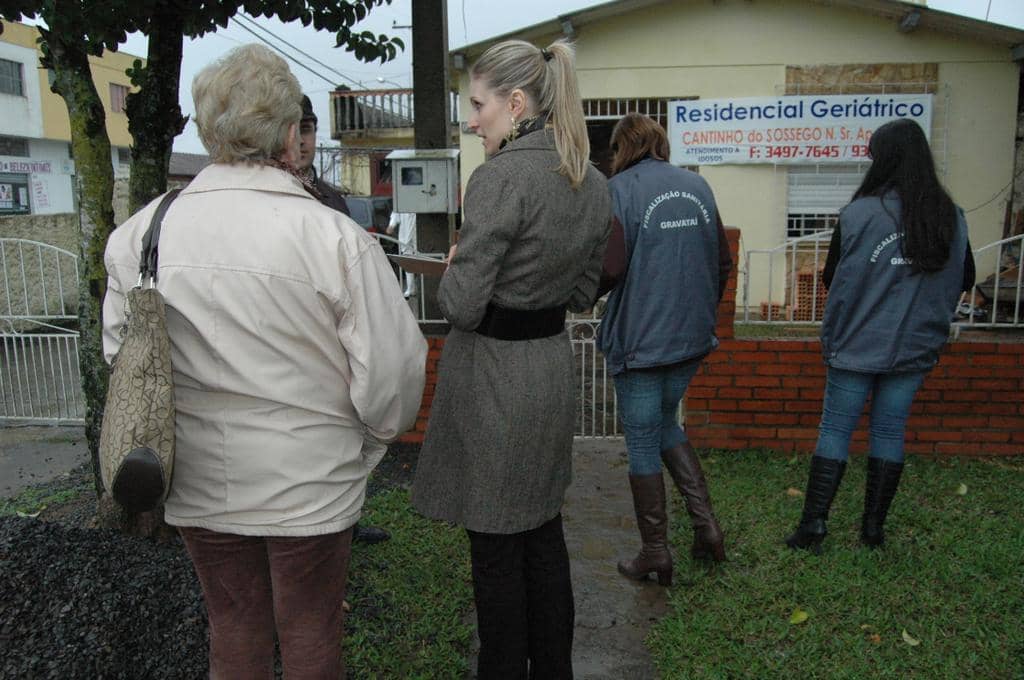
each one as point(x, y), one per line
point(332, 198)
point(329, 195)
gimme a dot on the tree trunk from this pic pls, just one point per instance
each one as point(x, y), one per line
point(154, 116)
point(95, 178)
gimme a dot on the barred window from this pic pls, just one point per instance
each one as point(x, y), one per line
point(118, 97)
point(804, 225)
point(13, 146)
point(11, 78)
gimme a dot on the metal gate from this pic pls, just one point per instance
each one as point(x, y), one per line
point(597, 412)
point(597, 407)
point(39, 374)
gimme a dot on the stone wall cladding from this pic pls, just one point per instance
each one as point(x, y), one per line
point(861, 78)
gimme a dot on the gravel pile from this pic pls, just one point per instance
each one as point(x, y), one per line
point(89, 603)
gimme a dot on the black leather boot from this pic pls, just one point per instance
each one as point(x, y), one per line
point(822, 484)
point(652, 520)
point(369, 535)
point(682, 463)
point(883, 479)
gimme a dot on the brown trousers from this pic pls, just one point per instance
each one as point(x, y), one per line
point(252, 582)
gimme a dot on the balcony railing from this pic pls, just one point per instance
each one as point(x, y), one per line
point(355, 111)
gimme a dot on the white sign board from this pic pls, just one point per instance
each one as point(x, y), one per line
point(787, 130)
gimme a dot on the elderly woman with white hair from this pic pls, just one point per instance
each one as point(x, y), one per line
point(295, 358)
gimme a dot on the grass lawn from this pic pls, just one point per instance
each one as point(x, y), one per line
point(943, 599)
point(410, 596)
point(33, 500)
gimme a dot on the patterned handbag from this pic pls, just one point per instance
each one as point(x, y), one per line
point(137, 435)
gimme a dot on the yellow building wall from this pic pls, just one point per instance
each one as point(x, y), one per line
point(355, 158)
point(737, 48)
point(110, 68)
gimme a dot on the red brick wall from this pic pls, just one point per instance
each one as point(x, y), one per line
point(415, 436)
point(767, 394)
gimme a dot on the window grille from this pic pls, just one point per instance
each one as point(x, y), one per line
point(118, 98)
point(613, 109)
point(13, 146)
point(11, 79)
point(805, 225)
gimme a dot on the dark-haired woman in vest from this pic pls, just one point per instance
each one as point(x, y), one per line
point(898, 261)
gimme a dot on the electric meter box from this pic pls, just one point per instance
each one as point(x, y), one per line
point(425, 180)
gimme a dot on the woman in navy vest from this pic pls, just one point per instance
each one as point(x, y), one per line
point(667, 264)
point(898, 261)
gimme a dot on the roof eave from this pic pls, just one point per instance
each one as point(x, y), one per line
point(897, 10)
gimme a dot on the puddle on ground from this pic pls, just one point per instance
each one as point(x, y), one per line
point(596, 549)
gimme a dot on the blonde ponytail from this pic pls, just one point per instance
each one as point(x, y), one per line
point(566, 109)
point(548, 77)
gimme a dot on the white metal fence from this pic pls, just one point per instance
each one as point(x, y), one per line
point(783, 286)
point(39, 374)
point(596, 402)
point(995, 300)
point(597, 406)
point(788, 277)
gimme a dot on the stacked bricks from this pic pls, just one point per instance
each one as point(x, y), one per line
point(767, 394)
point(773, 311)
point(810, 297)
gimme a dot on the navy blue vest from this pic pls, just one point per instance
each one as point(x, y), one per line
point(663, 311)
point(881, 316)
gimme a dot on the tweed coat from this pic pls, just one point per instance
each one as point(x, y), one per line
point(497, 457)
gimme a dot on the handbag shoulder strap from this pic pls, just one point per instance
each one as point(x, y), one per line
point(151, 239)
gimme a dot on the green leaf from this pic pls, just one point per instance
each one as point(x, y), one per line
point(798, 616)
point(961, 490)
point(910, 640)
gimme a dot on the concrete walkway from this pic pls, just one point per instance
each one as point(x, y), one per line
point(613, 614)
point(32, 455)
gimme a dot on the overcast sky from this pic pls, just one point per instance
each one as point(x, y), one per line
point(468, 21)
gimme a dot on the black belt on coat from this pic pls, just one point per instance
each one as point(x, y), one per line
point(503, 323)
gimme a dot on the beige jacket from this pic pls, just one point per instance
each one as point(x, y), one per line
point(295, 356)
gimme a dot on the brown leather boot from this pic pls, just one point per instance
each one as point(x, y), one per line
point(652, 520)
point(682, 463)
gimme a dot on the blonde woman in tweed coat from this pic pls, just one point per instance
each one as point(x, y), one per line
point(497, 458)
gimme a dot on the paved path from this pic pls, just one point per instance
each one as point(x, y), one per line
point(613, 614)
point(32, 455)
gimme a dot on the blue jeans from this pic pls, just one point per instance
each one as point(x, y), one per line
point(649, 410)
point(845, 394)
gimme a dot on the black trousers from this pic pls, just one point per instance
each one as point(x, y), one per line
point(524, 603)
